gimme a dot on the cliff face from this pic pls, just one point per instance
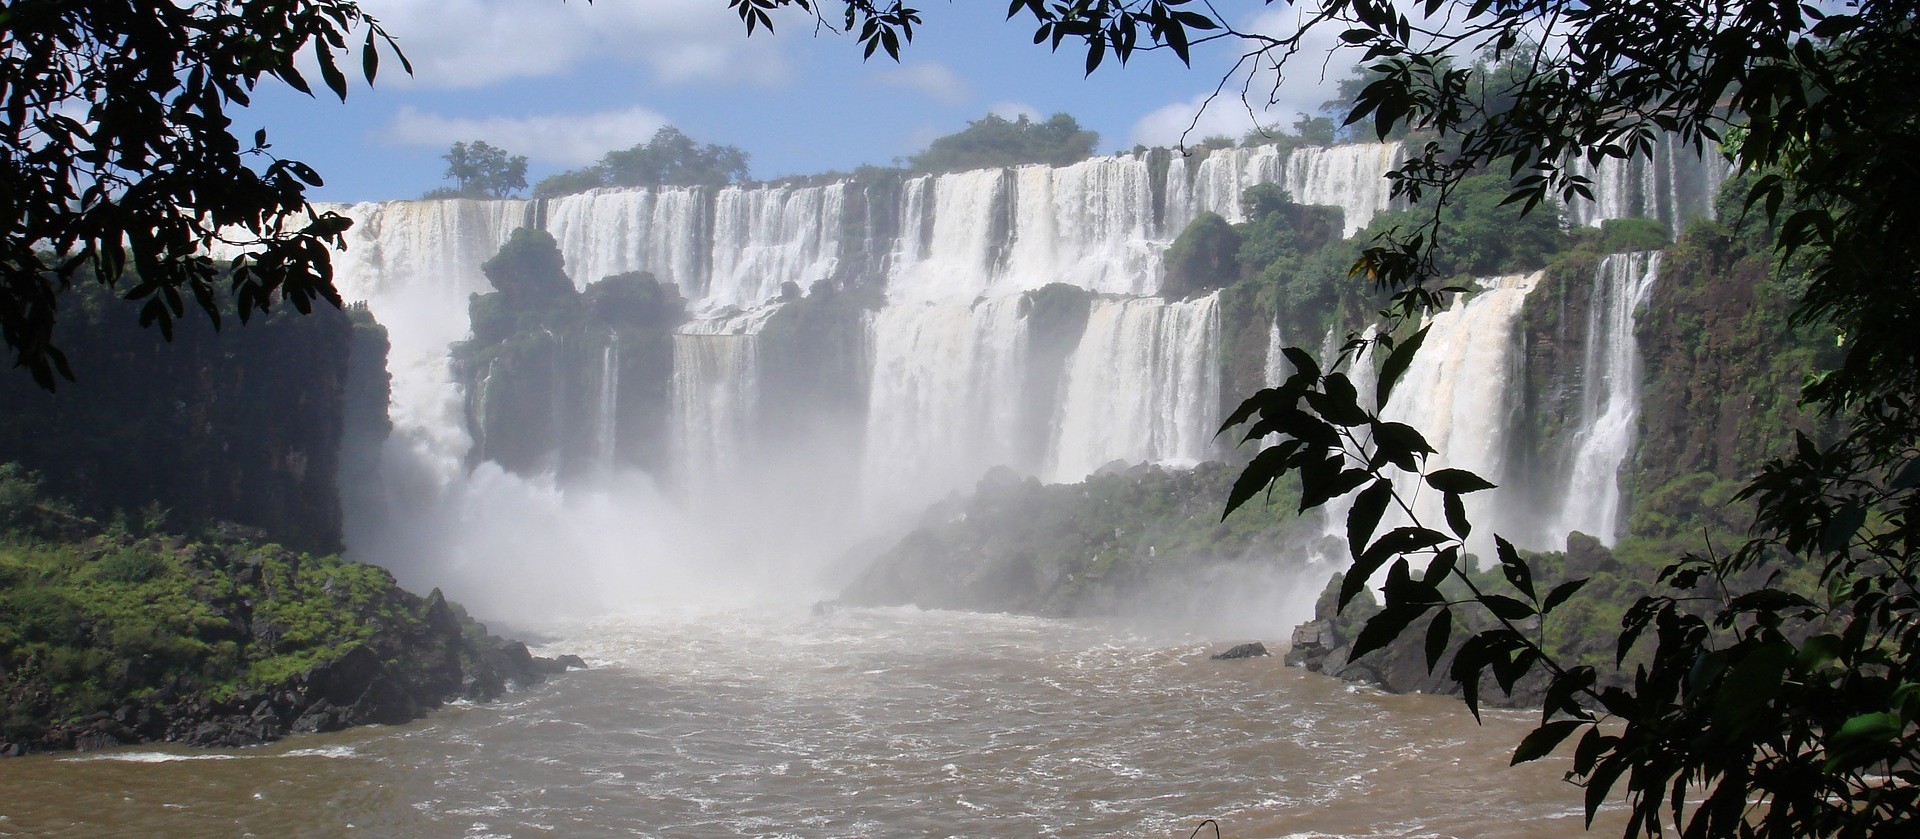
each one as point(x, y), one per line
point(1724, 369)
point(245, 424)
point(564, 381)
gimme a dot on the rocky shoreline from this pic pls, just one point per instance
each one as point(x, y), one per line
point(108, 639)
point(362, 687)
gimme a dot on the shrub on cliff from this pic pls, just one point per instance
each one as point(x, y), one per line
point(108, 638)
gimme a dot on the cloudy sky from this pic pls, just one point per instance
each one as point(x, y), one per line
point(564, 82)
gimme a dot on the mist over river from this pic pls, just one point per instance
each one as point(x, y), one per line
point(765, 720)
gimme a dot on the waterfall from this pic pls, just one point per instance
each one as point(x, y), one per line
point(1610, 398)
point(1143, 386)
point(766, 236)
point(1088, 224)
point(607, 417)
point(1218, 180)
point(957, 366)
point(716, 375)
point(1459, 394)
point(1277, 369)
point(1674, 185)
point(612, 231)
point(415, 263)
point(1351, 177)
point(944, 400)
point(952, 256)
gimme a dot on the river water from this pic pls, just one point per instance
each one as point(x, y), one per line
point(769, 721)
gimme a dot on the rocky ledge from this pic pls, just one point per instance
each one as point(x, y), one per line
point(116, 640)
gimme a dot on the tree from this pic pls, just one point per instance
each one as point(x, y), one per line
point(1759, 710)
point(671, 158)
point(119, 153)
point(481, 170)
point(993, 141)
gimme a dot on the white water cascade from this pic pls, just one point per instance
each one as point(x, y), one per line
point(1459, 394)
point(1277, 369)
point(954, 375)
point(1351, 177)
point(1674, 185)
point(944, 399)
point(1143, 385)
point(1610, 398)
point(716, 372)
point(606, 421)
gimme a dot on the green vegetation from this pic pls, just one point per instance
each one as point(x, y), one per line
point(993, 141)
point(481, 170)
point(94, 618)
point(118, 158)
point(671, 158)
point(1205, 256)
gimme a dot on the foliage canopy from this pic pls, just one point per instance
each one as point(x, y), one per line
point(482, 170)
point(671, 158)
point(117, 152)
point(994, 141)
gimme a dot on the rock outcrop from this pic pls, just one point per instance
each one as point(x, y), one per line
point(118, 640)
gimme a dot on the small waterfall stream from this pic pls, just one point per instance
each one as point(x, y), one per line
point(1610, 403)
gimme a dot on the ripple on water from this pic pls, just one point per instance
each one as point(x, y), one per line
point(770, 722)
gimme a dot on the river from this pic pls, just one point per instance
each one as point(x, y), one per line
point(770, 721)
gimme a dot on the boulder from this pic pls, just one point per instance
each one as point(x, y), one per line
point(1250, 650)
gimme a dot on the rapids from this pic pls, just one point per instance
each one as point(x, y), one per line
point(766, 721)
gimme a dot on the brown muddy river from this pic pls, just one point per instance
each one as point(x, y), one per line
point(865, 723)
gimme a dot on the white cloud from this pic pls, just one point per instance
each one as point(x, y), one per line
point(928, 78)
point(1015, 110)
point(565, 139)
point(1257, 97)
point(474, 43)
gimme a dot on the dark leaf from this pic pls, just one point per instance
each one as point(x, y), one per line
point(1506, 607)
point(1302, 362)
point(1514, 567)
point(1437, 635)
point(1457, 481)
point(1365, 514)
point(1542, 740)
point(1443, 564)
point(1456, 514)
point(1838, 533)
point(1262, 471)
point(1560, 593)
point(1861, 735)
point(1385, 626)
point(1749, 685)
point(1907, 477)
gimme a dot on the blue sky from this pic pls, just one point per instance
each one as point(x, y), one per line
point(564, 82)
